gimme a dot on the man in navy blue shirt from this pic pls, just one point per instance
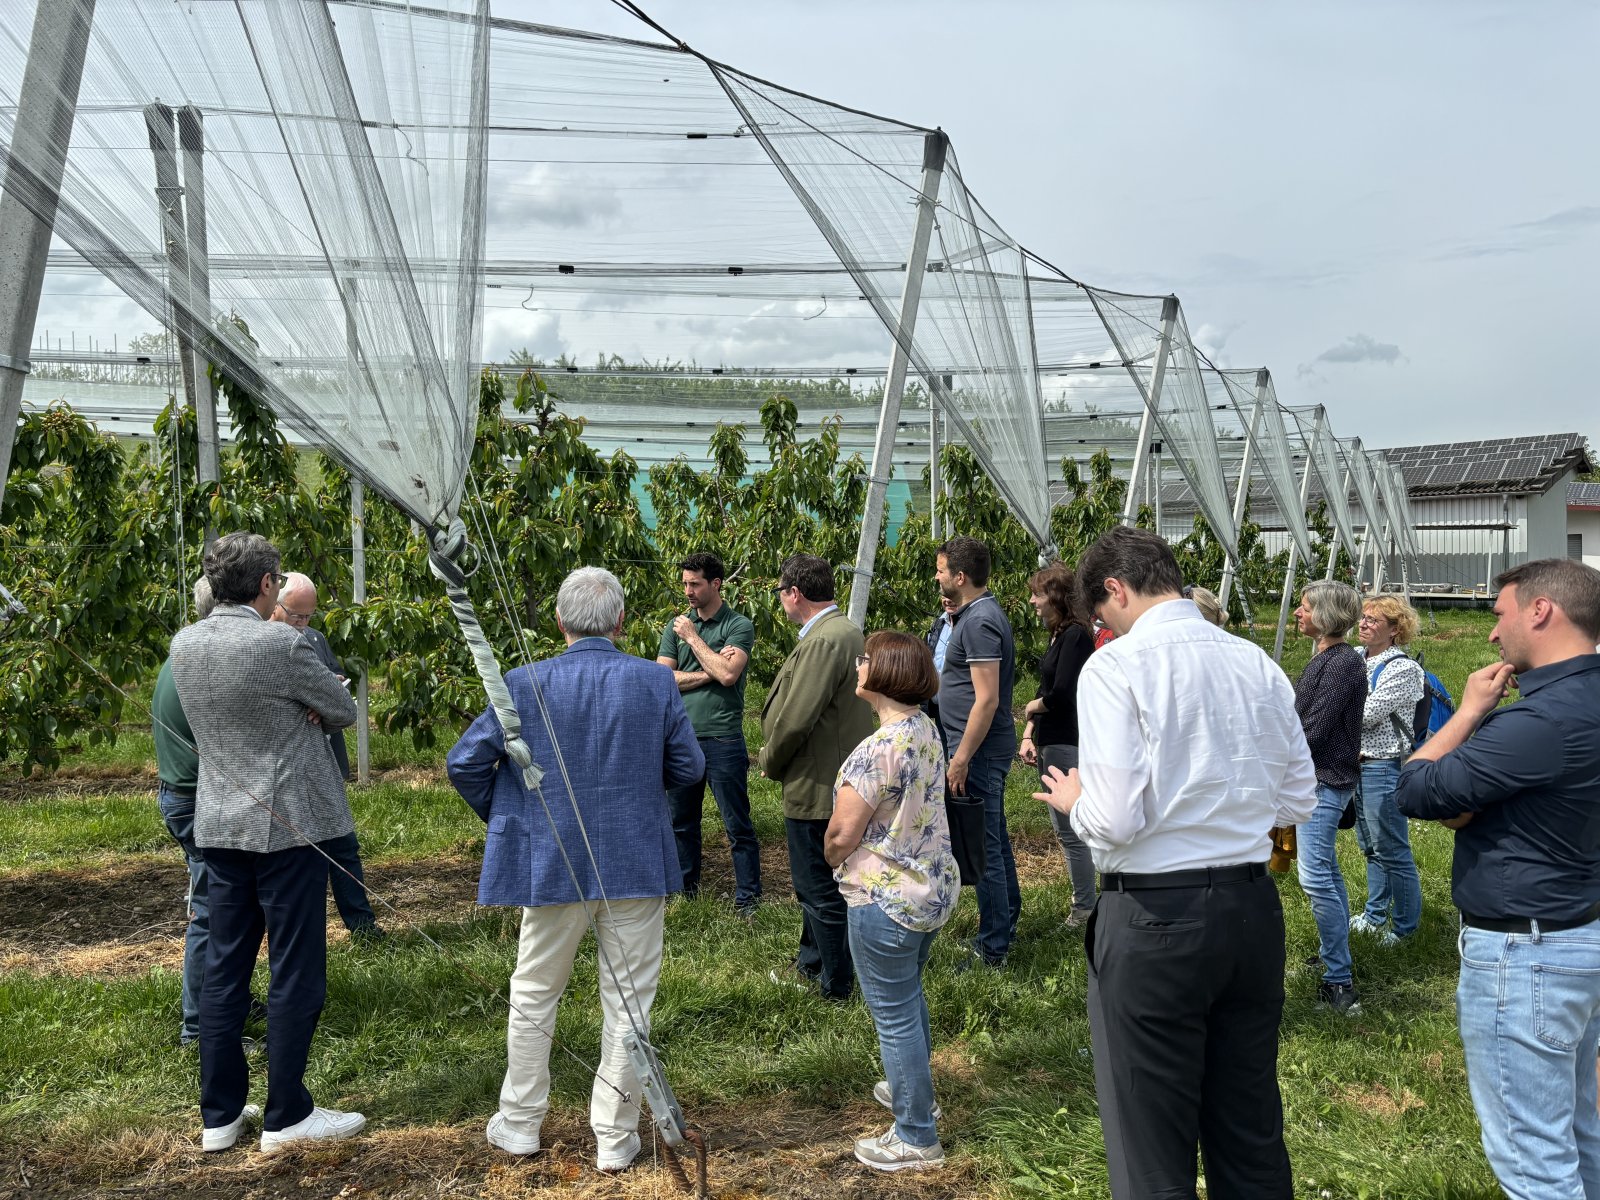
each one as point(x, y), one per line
point(1521, 786)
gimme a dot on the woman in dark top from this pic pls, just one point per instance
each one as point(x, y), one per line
point(1050, 738)
point(1330, 697)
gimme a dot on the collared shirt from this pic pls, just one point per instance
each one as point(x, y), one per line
point(177, 761)
point(1190, 752)
point(941, 642)
point(806, 628)
point(1531, 777)
point(979, 633)
point(1391, 704)
point(715, 709)
point(1329, 696)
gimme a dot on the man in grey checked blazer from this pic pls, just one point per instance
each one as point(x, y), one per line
point(257, 700)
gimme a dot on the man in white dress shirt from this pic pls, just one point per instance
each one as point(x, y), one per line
point(1190, 754)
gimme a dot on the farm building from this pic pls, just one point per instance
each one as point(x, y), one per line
point(1481, 507)
point(1583, 523)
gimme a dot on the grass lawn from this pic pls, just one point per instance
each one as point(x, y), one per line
point(96, 1098)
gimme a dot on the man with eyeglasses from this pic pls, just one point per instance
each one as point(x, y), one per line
point(297, 604)
point(268, 792)
point(810, 723)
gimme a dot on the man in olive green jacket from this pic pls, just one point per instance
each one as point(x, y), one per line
point(810, 723)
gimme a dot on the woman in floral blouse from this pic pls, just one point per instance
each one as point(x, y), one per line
point(889, 845)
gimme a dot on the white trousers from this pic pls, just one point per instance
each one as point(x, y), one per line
point(630, 969)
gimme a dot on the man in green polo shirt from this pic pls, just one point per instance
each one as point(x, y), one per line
point(708, 649)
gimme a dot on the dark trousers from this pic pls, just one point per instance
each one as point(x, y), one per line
point(284, 895)
point(728, 773)
point(825, 918)
point(1185, 995)
point(347, 881)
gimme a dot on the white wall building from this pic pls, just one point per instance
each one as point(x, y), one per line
point(1583, 523)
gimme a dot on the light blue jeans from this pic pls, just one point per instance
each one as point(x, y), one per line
point(889, 959)
point(1529, 1009)
point(177, 813)
point(1318, 866)
point(1385, 838)
point(999, 894)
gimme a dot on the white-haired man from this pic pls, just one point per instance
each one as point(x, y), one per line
point(619, 725)
point(297, 604)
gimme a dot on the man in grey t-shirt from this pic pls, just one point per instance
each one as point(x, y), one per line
point(975, 711)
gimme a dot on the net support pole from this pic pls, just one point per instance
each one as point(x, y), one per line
point(1333, 550)
point(1155, 485)
point(1241, 494)
point(933, 466)
point(358, 595)
point(933, 156)
point(192, 142)
point(1294, 548)
point(162, 130)
point(1152, 401)
point(46, 106)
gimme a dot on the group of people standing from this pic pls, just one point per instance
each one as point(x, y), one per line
point(1173, 757)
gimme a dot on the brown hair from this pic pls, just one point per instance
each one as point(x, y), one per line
point(900, 667)
point(1571, 586)
point(1059, 587)
point(1398, 613)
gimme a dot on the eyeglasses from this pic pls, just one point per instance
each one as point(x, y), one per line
point(1370, 619)
point(782, 588)
point(279, 578)
point(863, 659)
point(296, 616)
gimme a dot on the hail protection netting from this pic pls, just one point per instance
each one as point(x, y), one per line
point(1273, 457)
point(1361, 476)
point(861, 179)
point(339, 152)
point(1173, 385)
point(1335, 485)
point(1400, 507)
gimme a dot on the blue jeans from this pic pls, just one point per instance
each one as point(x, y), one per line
point(889, 959)
point(177, 812)
point(1318, 865)
point(1385, 838)
point(999, 896)
point(1529, 1009)
point(728, 773)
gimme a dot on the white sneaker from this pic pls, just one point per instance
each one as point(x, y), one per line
point(885, 1097)
point(222, 1137)
point(323, 1125)
point(889, 1153)
point(1388, 938)
point(1361, 923)
point(620, 1159)
point(503, 1137)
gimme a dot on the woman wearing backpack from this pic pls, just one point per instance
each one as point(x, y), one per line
point(1394, 689)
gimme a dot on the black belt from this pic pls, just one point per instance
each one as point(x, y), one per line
point(1525, 924)
point(180, 793)
point(1127, 881)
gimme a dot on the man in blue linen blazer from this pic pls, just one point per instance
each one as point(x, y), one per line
point(621, 728)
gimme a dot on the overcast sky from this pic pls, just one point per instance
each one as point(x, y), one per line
point(1395, 207)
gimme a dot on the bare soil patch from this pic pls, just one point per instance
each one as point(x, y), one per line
point(773, 1151)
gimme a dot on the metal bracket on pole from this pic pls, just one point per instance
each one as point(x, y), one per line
point(1150, 395)
point(1241, 494)
point(47, 102)
point(1294, 548)
point(933, 156)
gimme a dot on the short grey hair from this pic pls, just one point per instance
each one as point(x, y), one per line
point(204, 601)
point(235, 564)
point(1334, 607)
point(590, 602)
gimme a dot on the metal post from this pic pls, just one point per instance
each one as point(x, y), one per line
point(1155, 484)
point(1152, 399)
point(933, 155)
point(933, 463)
point(46, 105)
point(1294, 547)
point(191, 139)
point(358, 595)
point(1333, 550)
point(1241, 494)
point(158, 121)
